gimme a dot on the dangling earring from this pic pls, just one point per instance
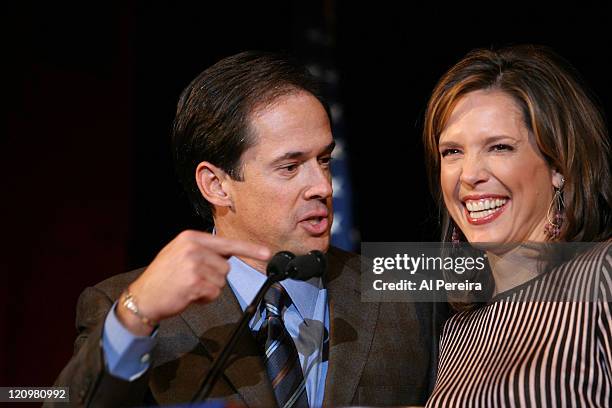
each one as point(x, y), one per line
point(455, 235)
point(553, 226)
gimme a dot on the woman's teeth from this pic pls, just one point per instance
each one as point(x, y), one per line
point(482, 208)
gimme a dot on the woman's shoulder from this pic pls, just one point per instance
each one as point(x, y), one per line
point(587, 273)
point(595, 256)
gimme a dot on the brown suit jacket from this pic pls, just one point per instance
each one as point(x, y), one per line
point(380, 353)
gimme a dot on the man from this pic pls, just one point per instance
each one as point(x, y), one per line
point(253, 144)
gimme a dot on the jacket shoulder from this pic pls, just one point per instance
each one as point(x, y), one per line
point(346, 259)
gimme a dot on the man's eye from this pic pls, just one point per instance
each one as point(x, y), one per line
point(326, 160)
point(447, 152)
point(290, 168)
point(501, 148)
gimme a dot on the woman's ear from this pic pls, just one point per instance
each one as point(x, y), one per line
point(212, 184)
point(557, 179)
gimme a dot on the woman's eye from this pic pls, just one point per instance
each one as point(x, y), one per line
point(447, 152)
point(501, 148)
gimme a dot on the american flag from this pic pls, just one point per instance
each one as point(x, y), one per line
point(321, 65)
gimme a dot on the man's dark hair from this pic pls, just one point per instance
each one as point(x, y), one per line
point(213, 113)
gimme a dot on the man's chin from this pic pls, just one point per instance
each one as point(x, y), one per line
point(309, 244)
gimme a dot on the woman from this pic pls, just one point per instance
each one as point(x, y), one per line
point(519, 155)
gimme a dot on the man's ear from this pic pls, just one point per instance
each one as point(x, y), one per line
point(212, 182)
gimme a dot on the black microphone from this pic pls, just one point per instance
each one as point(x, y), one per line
point(283, 265)
point(278, 266)
point(307, 266)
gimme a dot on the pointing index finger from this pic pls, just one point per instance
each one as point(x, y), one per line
point(230, 247)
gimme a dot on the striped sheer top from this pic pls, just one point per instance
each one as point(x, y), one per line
point(518, 352)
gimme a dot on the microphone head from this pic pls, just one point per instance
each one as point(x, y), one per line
point(279, 264)
point(307, 266)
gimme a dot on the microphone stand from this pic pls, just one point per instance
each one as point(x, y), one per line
point(275, 274)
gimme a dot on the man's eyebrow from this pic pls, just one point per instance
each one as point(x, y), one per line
point(298, 154)
point(330, 147)
point(288, 156)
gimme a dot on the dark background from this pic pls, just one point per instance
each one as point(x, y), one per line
point(89, 95)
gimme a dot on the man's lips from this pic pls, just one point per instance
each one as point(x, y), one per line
point(483, 208)
point(315, 222)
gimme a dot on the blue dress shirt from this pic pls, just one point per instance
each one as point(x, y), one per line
point(306, 320)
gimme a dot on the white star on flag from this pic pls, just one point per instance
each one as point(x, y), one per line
point(336, 224)
point(337, 185)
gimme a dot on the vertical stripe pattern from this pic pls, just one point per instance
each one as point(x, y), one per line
point(280, 354)
point(519, 352)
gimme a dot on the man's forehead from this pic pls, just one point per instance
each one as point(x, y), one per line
point(273, 149)
point(296, 122)
point(296, 154)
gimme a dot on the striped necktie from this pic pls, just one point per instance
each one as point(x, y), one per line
point(280, 354)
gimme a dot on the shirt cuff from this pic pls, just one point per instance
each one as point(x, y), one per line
point(127, 356)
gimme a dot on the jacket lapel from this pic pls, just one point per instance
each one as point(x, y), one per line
point(244, 374)
point(352, 326)
point(184, 365)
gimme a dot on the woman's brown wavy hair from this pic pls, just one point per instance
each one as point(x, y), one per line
point(565, 122)
point(557, 109)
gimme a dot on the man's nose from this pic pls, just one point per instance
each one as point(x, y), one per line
point(320, 183)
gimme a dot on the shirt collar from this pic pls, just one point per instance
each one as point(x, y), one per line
point(245, 281)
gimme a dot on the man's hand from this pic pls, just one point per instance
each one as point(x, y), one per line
point(192, 268)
